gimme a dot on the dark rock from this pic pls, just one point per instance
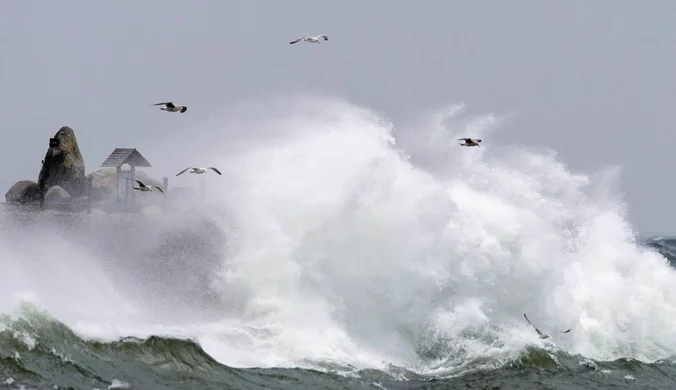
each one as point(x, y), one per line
point(59, 199)
point(22, 192)
point(103, 184)
point(63, 165)
point(56, 194)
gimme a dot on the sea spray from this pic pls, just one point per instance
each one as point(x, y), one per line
point(340, 226)
point(351, 242)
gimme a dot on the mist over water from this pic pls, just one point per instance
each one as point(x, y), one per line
point(336, 237)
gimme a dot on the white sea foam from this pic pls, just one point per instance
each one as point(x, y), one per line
point(350, 241)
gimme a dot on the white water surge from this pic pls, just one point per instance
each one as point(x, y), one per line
point(353, 242)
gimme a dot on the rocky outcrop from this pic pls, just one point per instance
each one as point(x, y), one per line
point(23, 192)
point(56, 194)
point(59, 199)
point(63, 165)
point(104, 183)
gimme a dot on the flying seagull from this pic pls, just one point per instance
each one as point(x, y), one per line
point(199, 170)
point(169, 106)
point(470, 141)
point(542, 335)
point(143, 187)
point(315, 39)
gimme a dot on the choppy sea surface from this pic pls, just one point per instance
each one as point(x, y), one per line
point(38, 352)
point(338, 251)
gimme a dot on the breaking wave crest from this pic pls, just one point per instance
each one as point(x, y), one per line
point(335, 239)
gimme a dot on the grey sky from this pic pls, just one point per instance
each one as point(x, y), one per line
point(590, 79)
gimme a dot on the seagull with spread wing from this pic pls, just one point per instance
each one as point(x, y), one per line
point(143, 187)
point(542, 335)
point(315, 39)
point(169, 106)
point(470, 141)
point(198, 170)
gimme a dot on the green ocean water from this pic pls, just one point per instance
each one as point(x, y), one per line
point(38, 352)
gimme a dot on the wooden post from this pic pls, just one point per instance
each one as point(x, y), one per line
point(132, 176)
point(89, 195)
point(117, 178)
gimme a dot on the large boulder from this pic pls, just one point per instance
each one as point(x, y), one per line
point(59, 199)
point(63, 165)
point(22, 192)
point(104, 183)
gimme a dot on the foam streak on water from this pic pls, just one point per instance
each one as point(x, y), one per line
point(353, 242)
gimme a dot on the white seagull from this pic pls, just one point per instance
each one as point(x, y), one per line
point(542, 335)
point(143, 187)
point(470, 141)
point(315, 39)
point(199, 170)
point(169, 106)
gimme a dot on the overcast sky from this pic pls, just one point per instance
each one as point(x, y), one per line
point(593, 80)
